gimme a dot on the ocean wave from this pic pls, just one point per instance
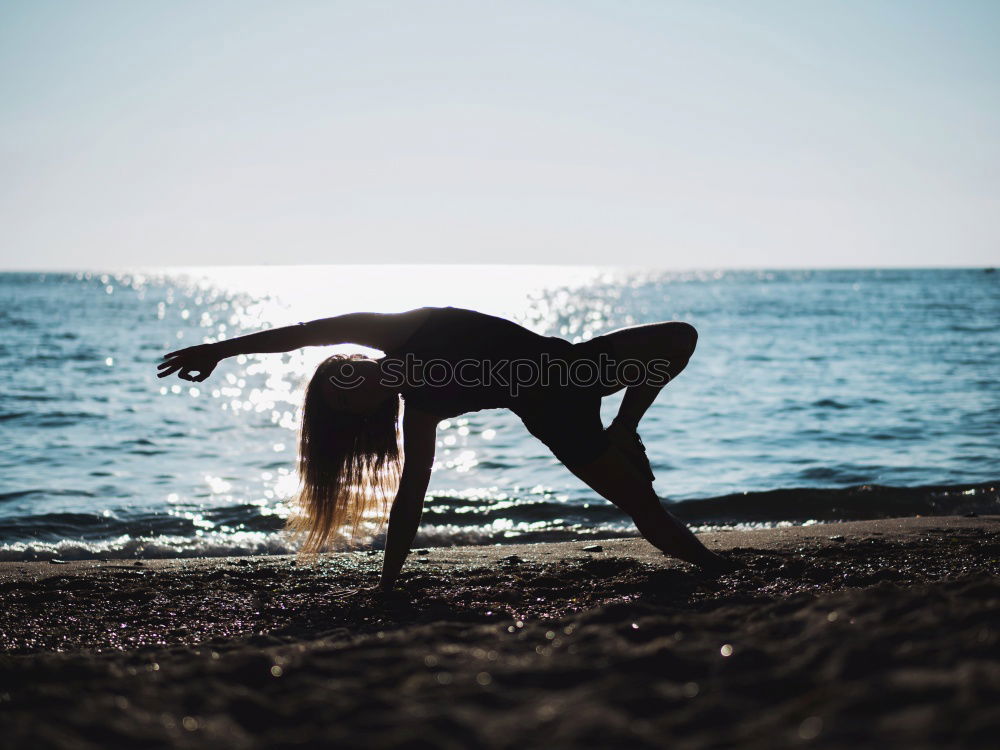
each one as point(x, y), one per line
point(53, 527)
point(7, 416)
point(157, 547)
point(862, 502)
point(793, 505)
point(466, 520)
point(43, 492)
point(829, 403)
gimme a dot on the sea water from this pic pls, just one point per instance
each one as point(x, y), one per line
point(806, 382)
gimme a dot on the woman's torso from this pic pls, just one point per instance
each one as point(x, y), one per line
point(461, 360)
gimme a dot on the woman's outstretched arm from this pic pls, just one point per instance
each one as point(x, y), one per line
point(375, 330)
point(419, 436)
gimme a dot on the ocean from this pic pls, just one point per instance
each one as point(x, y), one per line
point(813, 395)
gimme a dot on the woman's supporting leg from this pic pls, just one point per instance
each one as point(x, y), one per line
point(617, 479)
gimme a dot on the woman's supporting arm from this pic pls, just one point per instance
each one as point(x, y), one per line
point(419, 436)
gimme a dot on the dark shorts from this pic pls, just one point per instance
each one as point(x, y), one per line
point(568, 418)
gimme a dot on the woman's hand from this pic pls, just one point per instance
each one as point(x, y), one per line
point(200, 359)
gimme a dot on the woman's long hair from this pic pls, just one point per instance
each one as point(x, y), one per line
point(348, 465)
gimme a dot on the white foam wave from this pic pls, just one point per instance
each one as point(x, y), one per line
point(206, 545)
point(246, 543)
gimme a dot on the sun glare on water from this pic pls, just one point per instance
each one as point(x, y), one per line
point(211, 304)
point(308, 292)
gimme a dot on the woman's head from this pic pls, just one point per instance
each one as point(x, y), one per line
point(351, 384)
point(348, 450)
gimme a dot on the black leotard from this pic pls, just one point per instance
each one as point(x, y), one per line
point(459, 361)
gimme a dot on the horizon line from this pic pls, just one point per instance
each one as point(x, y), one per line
point(618, 266)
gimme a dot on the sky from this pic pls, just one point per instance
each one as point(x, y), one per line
point(739, 134)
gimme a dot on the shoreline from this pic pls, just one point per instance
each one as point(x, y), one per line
point(782, 538)
point(876, 632)
point(147, 538)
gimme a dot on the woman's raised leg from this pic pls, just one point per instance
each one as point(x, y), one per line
point(661, 351)
point(647, 357)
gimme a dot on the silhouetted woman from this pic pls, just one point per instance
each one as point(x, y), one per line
point(446, 361)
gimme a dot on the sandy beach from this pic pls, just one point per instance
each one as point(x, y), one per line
point(867, 634)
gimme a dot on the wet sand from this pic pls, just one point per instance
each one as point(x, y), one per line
point(865, 634)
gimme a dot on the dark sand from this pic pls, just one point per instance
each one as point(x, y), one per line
point(867, 634)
